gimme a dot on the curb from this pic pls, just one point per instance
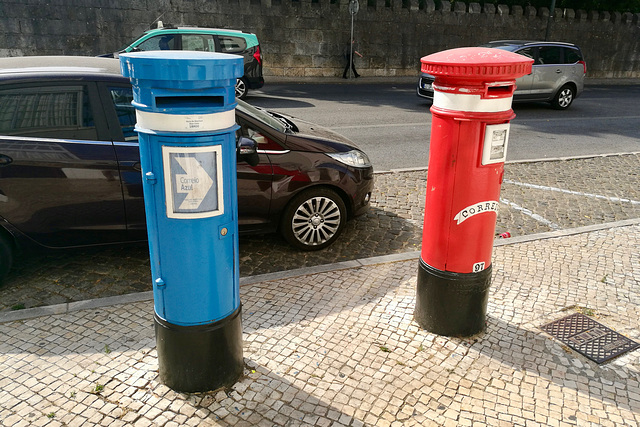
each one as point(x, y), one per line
point(511, 162)
point(66, 308)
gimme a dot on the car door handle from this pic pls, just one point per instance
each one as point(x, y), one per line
point(558, 71)
point(5, 160)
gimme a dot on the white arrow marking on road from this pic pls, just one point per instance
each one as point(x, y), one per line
point(196, 182)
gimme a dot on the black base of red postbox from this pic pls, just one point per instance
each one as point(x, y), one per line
point(202, 357)
point(451, 304)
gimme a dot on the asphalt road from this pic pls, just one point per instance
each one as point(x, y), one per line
point(392, 125)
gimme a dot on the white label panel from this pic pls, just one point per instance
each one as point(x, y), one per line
point(496, 139)
point(185, 123)
point(193, 181)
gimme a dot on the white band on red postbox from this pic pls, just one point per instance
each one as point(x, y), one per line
point(474, 103)
point(185, 122)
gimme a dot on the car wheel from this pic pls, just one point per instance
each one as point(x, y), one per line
point(241, 88)
point(563, 98)
point(314, 219)
point(6, 255)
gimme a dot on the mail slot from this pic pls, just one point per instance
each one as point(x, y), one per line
point(189, 101)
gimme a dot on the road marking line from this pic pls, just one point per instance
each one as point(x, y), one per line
point(576, 193)
point(515, 123)
point(573, 119)
point(535, 216)
point(381, 125)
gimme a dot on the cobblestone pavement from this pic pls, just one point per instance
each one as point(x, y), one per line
point(537, 197)
point(340, 348)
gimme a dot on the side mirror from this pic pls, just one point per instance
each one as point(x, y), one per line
point(247, 150)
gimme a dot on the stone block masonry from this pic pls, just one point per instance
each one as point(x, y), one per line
point(306, 38)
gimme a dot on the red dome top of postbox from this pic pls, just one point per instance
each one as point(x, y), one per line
point(476, 63)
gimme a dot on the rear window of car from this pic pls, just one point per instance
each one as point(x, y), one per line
point(232, 44)
point(571, 56)
point(47, 111)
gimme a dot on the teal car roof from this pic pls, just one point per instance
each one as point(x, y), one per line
point(252, 39)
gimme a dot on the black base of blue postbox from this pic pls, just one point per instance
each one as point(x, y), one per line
point(451, 304)
point(202, 357)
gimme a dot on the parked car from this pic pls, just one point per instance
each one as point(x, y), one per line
point(70, 170)
point(557, 75)
point(206, 40)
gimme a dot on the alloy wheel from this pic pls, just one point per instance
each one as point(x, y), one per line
point(316, 221)
point(565, 98)
point(241, 89)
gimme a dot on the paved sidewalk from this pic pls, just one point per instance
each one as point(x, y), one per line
point(340, 348)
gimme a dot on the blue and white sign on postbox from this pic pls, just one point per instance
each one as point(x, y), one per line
point(193, 176)
point(185, 110)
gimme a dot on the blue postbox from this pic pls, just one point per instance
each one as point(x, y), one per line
point(185, 108)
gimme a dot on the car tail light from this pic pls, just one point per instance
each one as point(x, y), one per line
point(258, 56)
point(584, 64)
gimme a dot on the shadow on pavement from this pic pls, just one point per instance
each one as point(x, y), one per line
point(74, 275)
point(542, 196)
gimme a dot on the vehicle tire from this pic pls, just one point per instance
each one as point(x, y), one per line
point(564, 97)
point(241, 88)
point(6, 255)
point(313, 219)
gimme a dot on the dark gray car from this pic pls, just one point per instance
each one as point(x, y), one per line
point(557, 74)
point(70, 172)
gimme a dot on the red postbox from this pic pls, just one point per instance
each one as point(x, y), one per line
point(473, 90)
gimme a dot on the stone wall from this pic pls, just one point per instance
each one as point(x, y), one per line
point(307, 37)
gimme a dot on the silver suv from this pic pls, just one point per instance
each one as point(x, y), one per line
point(557, 75)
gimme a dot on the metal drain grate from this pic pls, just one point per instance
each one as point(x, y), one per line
point(589, 338)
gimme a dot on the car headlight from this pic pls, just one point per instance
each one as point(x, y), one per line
point(355, 158)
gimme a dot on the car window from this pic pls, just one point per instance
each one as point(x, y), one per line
point(527, 51)
point(199, 42)
point(550, 55)
point(163, 42)
point(249, 131)
point(571, 56)
point(122, 97)
point(231, 44)
point(47, 111)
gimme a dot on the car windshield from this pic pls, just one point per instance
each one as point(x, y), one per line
point(272, 120)
point(128, 45)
